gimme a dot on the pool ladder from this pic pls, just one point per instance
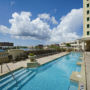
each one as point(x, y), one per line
point(12, 75)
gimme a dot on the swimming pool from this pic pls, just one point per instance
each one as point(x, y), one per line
point(51, 76)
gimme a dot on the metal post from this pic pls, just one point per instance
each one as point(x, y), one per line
point(1, 69)
point(12, 75)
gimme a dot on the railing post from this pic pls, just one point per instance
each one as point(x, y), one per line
point(12, 75)
point(1, 68)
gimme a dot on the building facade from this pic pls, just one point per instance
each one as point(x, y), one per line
point(74, 45)
point(16, 53)
point(86, 18)
point(4, 45)
point(86, 24)
point(3, 57)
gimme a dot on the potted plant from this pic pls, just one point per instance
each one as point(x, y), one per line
point(32, 57)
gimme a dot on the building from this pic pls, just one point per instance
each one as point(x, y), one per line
point(45, 47)
point(86, 25)
point(16, 53)
point(76, 45)
point(86, 18)
point(40, 46)
point(4, 45)
point(3, 57)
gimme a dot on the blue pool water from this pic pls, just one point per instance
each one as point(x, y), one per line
point(51, 76)
point(1, 50)
point(73, 85)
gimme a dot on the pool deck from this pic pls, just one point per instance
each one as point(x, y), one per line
point(84, 75)
point(23, 63)
point(87, 64)
point(46, 59)
point(80, 76)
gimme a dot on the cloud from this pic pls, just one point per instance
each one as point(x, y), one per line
point(47, 18)
point(44, 16)
point(4, 29)
point(53, 20)
point(69, 26)
point(22, 26)
point(12, 3)
point(55, 10)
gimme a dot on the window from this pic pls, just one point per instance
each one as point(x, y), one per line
point(87, 25)
point(88, 18)
point(87, 11)
point(87, 32)
point(88, 5)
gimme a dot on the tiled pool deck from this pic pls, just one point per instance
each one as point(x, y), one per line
point(16, 65)
point(87, 62)
point(80, 76)
point(50, 58)
point(85, 72)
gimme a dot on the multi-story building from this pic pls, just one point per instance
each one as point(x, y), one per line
point(86, 18)
point(86, 24)
point(75, 45)
point(6, 45)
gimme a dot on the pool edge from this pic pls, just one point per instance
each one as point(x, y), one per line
point(80, 80)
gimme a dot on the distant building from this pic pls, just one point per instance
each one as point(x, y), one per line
point(6, 45)
point(16, 53)
point(39, 46)
point(62, 45)
point(3, 56)
point(76, 45)
point(45, 47)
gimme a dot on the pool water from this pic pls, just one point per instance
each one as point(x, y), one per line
point(51, 76)
point(73, 85)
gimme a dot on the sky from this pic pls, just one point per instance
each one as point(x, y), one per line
point(33, 22)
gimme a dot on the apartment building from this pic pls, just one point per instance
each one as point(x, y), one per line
point(86, 18)
point(86, 24)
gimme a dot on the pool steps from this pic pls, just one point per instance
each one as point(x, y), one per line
point(24, 80)
point(21, 76)
point(11, 79)
point(9, 76)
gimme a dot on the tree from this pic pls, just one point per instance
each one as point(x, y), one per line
point(68, 45)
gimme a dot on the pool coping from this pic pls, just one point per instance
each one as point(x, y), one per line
point(80, 80)
point(54, 59)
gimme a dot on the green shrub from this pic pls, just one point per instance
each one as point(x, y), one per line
point(31, 54)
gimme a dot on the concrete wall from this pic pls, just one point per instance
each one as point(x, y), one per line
point(88, 46)
point(15, 53)
point(3, 57)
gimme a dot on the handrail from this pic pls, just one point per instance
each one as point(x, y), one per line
point(12, 75)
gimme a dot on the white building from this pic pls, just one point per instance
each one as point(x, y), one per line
point(76, 45)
